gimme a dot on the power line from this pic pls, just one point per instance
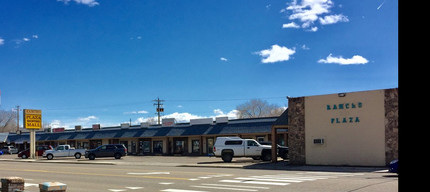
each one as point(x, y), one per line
point(160, 108)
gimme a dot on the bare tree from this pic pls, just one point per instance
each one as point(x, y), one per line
point(7, 121)
point(258, 108)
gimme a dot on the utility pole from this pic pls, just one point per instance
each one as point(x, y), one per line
point(160, 108)
point(17, 119)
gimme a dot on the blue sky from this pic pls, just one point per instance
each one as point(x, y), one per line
point(101, 61)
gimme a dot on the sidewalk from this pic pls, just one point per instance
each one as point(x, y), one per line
point(195, 161)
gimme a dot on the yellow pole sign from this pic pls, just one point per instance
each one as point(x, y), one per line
point(32, 119)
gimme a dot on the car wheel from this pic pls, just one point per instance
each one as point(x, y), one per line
point(91, 157)
point(50, 156)
point(117, 156)
point(77, 155)
point(256, 158)
point(227, 157)
point(24, 156)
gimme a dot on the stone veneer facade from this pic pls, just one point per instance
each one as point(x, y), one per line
point(296, 131)
point(391, 105)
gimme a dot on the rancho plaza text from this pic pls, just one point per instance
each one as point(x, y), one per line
point(344, 106)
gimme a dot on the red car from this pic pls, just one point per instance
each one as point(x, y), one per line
point(39, 151)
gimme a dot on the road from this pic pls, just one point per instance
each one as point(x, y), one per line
point(134, 178)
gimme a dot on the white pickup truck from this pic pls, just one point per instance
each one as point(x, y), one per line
point(64, 151)
point(229, 147)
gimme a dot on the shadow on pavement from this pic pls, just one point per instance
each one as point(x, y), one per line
point(284, 165)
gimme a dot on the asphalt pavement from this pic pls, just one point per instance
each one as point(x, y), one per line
point(195, 161)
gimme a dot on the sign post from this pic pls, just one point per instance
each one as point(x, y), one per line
point(32, 121)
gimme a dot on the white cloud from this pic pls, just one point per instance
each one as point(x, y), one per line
point(185, 117)
point(25, 39)
point(35, 36)
point(1, 41)
point(276, 54)
point(89, 118)
point(290, 25)
point(304, 47)
point(137, 112)
point(90, 3)
point(223, 59)
point(356, 59)
point(331, 19)
point(309, 11)
point(56, 124)
point(231, 114)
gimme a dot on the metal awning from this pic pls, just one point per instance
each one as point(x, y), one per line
point(3, 137)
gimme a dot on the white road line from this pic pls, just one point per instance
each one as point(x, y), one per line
point(150, 173)
point(222, 175)
point(165, 183)
point(253, 182)
point(335, 173)
point(31, 185)
point(237, 186)
point(295, 178)
point(300, 176)
point(181, 190)
point(267, 179)
point(132, 188)
point(193, 179)
point(117, 190)
point(225, 188)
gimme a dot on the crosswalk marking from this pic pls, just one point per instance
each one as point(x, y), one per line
point(268, 179)
point(237, 186)
point(260, 182)
point(253, 182)
point(226, 188)
point(181, 190)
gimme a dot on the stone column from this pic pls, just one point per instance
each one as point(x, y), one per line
point(296, 131)
point(391, 105)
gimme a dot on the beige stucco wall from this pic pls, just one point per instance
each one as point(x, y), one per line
point(356, 137)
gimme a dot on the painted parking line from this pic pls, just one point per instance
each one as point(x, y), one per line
point(253, 182)
point(229, 187)
point(180, 190)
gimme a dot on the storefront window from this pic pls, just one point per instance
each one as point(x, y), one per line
point(85, 145)
point(95, 143)
point(146, 147)
point(210, 144)
point(196, 146)
point(158, 146)
point(179, 146)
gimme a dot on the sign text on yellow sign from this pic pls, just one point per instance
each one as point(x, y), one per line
point(32, 119)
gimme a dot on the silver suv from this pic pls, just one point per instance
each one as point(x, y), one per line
point(9, 149)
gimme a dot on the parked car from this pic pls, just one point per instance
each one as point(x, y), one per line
point(394, 166)
point(63, 151)
point(9, 149)
point(39, 151)
point(108, 150)
point(282, 150)
point(229, 147)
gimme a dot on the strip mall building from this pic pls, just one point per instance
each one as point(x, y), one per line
point(355, 128)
